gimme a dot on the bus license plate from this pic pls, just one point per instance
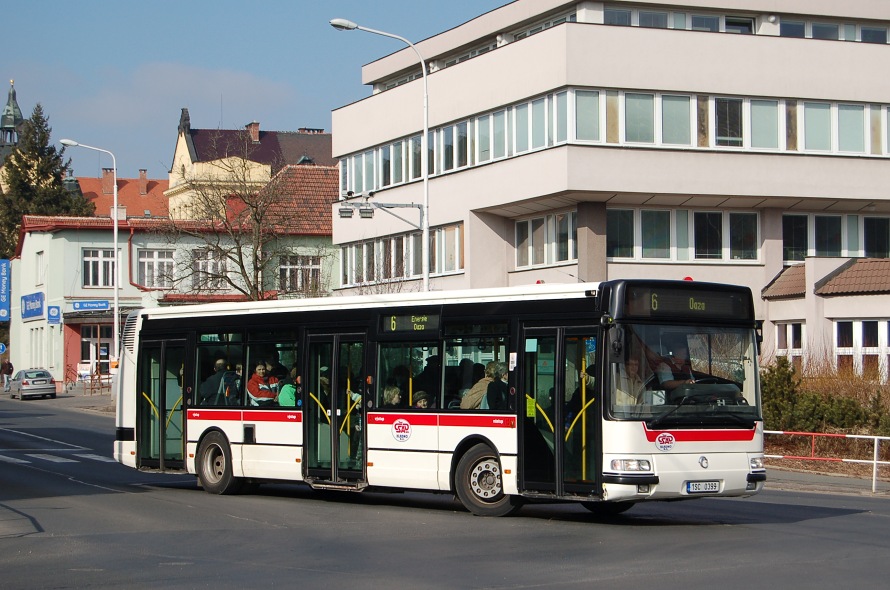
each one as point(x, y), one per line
point(702, 487)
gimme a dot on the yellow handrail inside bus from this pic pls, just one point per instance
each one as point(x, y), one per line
point(173, 409)
point(152, 404)
point(540, 409)
point(321, 405)
point(580, 413)
point(348, 414)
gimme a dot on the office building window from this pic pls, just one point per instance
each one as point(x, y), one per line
point(614, 16)
point(708, 235)
point(587, 115)
point(653, 20)
point(794, 237)
point(873, 34)
point(655, 233)
point(876, 238)
point(728, 118)
point(828, 232)
point(851, 128)
point(790, 28)
point(639, 118)
point(706, 23)
point(817, 126)
point(546, 240)
point(765, 124)
point(825, 31)
point(676, 126)
point(620, 233)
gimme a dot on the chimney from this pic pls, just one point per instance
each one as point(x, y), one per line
point(107, 181)
point(143, 181)
point(254, 130)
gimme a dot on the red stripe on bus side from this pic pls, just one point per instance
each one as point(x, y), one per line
point(251, 416)
point(215, 415)
point(412, 419)
point(703, 435)
point(477, 421)
point(273, 416)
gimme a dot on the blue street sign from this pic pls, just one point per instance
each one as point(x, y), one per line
point(33, 306)
point(54, 314)
point(2, 348)
point(95, 305)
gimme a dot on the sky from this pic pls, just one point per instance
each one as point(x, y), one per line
point(115, 74)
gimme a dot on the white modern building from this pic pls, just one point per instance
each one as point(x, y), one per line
point(721, 140)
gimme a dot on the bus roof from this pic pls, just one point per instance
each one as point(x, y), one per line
point(519, 293)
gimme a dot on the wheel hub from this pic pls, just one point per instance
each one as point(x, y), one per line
point(485, 479)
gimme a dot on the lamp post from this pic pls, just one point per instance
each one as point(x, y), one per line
point(116, 319)
point(344, 25)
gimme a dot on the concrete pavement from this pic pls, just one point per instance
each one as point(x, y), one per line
point(81, 397)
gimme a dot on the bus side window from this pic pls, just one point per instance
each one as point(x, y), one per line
point(407, 370)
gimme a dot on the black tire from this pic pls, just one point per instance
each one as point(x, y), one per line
point(608, 509)
point(214, 466)
point(52, 396)
point(477, 482)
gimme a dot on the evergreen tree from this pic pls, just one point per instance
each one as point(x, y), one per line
point(34, 176)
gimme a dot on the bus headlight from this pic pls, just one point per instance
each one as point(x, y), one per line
point(631, 465)
point(756, 463)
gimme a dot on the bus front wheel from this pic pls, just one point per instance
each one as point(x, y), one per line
point(214, 465)
point(479, 485)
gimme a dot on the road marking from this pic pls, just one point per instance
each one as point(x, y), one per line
point(12, 459)
point(58, 442)
point(52, 458)
point(103, 458)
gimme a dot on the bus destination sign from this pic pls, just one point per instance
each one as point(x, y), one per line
point(415, 323)
point(672, 302)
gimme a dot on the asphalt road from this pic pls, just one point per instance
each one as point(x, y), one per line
point(87, 522)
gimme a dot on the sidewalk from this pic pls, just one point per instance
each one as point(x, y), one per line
point(80, 397)
point(805, 481)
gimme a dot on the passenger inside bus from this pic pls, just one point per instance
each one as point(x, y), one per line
point(496, 397)
point(262, 388)
point(473, 398)
point(392, 397)
point(422, 400)
point(630, 384)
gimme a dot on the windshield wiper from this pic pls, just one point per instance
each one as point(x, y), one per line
point(661, 418)
point(747, 422)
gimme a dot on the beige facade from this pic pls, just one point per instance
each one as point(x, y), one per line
point(589, 141)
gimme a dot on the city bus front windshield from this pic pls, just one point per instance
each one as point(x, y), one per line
point(671, 375)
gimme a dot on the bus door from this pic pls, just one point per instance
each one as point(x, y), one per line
point(561, 439)
point(334, 408)
point(160, 433)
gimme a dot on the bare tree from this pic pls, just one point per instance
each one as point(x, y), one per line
point(241, 228)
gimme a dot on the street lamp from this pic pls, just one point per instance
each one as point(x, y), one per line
point(342, 24)
point(116, 312)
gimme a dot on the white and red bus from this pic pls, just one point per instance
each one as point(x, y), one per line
point(606, 393)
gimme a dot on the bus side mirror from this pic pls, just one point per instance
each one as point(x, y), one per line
point(758, 335)
point(616, 340)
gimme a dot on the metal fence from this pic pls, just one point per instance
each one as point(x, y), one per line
point(875, 461)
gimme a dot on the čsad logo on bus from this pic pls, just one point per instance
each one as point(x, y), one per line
point(665, 441)
point(401, 430)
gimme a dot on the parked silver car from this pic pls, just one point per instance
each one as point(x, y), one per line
point(32, 383)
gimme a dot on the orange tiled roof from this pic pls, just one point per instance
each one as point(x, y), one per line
point(305, 193)
point(864, 276)
point(128, 196)
point(789, 284)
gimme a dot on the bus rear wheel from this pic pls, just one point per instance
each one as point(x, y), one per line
point(214, 466)
point(479, 485)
